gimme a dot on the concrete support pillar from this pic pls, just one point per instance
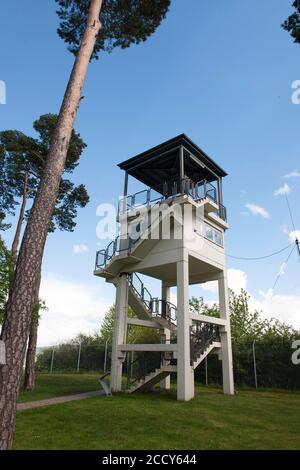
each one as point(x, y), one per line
point(185, 373)
point(119, 336)
point(165, 295)
point(225, 333)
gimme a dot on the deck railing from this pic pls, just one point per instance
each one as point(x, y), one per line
point(169, 190)
point(115, 248)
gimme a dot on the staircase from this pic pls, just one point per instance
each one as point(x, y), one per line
point(147, 382)
point(147, 307)
point(203, 339)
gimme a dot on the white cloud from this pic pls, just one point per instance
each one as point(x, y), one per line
point(295, 234)
point(257, 210)
point(285, 308)
point(81, 248)
point(293, 174)
point(72, 308)
point(237, 280)
point(282, 190)
point(211, 286)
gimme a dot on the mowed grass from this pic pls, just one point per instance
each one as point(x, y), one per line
point(248, 420)
point(56, 385)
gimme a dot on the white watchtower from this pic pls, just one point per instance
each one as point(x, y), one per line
point(172, 231)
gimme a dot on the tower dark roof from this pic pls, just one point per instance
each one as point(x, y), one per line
point(162, 163)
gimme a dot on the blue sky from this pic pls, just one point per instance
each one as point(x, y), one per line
point(219, 71)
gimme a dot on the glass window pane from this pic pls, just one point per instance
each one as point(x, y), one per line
point(218, 237)
point(200, 226)
point(209, 233)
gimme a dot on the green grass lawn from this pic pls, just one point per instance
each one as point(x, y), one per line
point(248, 420)
point(56, 385)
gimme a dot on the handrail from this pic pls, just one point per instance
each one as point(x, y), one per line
point(198, 191)
point(157, 307)
point(164, 309)
point(201, 336)
point(115, 247)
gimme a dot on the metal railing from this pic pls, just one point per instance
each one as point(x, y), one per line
point(164, 309)
point(222, 212)
point(202, 335)
point(157, 307)
point(171, 189)
point(140, 290)
point(115, 248)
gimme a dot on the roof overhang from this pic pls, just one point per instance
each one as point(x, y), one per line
point(162, 163)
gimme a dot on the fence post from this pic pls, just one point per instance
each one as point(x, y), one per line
point(131, 365)
point(78, 360)
point(206, 372)
point(128, 369)
point(254, 364)
point(52, 359)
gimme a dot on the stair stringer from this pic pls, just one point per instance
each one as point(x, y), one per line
point(208, 350)
point(152, 379)
point(142, 312)
point(138, 306)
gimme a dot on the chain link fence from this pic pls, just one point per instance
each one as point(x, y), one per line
point(74, 357)
point(255, 364)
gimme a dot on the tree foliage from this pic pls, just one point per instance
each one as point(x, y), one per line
point(249, 325)
point(7, 201)
point(272, 339)
point(292, 24)
point(135, 334)
point(124, 22)
point(246, 324)
point(37, 309)
point(22, 155)
point(197, 305)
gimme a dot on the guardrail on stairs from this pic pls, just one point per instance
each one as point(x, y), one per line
point(202, 335)
point(157, 307)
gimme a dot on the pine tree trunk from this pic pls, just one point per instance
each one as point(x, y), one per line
point(29, 377)
point(16, 240)
point(16, 325)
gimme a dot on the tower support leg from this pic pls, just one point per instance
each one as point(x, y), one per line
point(165, 295)
point(119, 336)
point(185, 373)
point(225, 332)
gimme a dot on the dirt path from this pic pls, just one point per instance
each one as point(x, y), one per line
point(57, 400)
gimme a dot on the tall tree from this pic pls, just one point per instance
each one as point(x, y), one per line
point(292, 24)
point(123, 22)
point(23, 161)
